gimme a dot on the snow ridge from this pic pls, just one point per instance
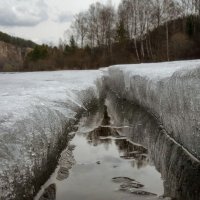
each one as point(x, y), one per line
point(38, 110)
point(170, 91)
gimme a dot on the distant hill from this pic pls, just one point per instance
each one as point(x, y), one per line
point(181, 38)
point(13, 51)
point(16, 40)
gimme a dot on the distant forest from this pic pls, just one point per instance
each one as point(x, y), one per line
point(134, 32)
point(16, 41)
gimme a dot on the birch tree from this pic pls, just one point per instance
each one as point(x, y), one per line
point(80, 26)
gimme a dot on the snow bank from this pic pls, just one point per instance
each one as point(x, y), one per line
point(170, 91)
point(37, 111)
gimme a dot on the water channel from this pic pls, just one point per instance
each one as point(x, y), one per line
point(128, 156)
point(100, 158)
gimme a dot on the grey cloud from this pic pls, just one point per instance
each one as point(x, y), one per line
point(65, 17)
point(21, 13)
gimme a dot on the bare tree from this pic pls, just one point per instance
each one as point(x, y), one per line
point(80, 26)
point(99, 24)
point(128, 13)
point(197, 7)
point(108, 27)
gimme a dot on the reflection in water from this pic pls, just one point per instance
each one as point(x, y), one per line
point(136, 153)
point(133, 151)
point(63, 173)
point(93, 137)
point(49, 193)
point(101, 156)
point(128, 150)
point(65, 163)
point(180, 171)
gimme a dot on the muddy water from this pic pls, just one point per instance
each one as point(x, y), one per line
point(102, 165)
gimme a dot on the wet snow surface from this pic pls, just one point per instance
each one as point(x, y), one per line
point(20, 92)
point(24, 94)
point(39, 110)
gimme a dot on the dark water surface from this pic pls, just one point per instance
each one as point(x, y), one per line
point(100, 156)
point(130, 156)
point(180, 170)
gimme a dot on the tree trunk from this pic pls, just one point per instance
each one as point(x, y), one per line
point(142, 48)
point(167, 41)
point(150, 47)
point(147, 46)
point(136, 50)
point(82, 39)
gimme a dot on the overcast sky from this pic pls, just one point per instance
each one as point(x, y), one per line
point(42, 21)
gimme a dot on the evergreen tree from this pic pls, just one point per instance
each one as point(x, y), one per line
point(121, 33)
point(72, 42)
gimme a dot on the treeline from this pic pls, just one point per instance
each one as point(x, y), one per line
point(16, 41)
point(132, 24)
point(137, 31)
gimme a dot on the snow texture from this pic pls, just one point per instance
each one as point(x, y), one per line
point(170, 91)
point(35, 110)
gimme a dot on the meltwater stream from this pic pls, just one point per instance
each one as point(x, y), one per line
point(102, 165)
point(119, 153)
